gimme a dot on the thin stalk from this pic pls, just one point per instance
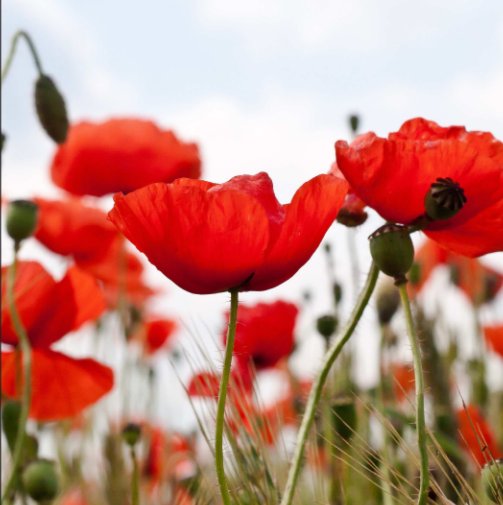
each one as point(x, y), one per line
point(135, 481)
point(317, 389)
point(222, 394)
point(10, 57)
point(419, 381)
point(26, 395)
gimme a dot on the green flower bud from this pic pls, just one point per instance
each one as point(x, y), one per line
point(51, 109)
point(354, 122)
point(344, 418)
point(392, 250)
point(492, 480)
point(387, 302)
point(444, 199)
point(131, 434)
point(21, 219)
point(11, 412)
point(326, 325)
point(40, 480)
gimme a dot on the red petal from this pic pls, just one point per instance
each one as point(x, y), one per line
point(204, 241)
point(494, 338)
point(204, 384)
point(61, 386)
point(313, 209)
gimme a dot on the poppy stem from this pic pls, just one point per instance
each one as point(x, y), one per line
point(222, 394)
point(317, 389)
point(10, 57)
point(26, 395)
point(419, 382)
point(135, 490)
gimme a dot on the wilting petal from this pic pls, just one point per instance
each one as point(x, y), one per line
point(61, 386)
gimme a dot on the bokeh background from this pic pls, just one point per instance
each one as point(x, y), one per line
point(259, 85)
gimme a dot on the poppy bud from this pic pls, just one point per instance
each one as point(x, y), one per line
point(492, 480)
point(344, 418)
point(40, 480)
point(51, 109)
point(21, 219)
point(392, 250)
point(354, 123)
point(326, 325)
point(131, 434)
point(11, 412)
point(337, 290)
point(388, 300)
point(444, 199)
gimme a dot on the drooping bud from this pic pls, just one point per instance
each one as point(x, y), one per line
point(354, 123)
point(492, 480)
point(131, 434)
point(40, 480)
point(444, 199)
point(392, 250)
point(326, 325)
point(344, 417)
point(21, 219)
point(51, 109)
point(387, 302)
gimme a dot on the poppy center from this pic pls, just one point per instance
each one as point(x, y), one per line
point(448, 194)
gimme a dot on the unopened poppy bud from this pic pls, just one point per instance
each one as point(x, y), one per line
point(492, 480)
point(131, 434)
point(354, 122)
point(337, 290)
point(51, 109)
point(40, 480)
point(326, 325)
point(387, 302)
point(344, 418)
point(21, 219)
point(444, 199)
point(392, 250)
point(11, 412)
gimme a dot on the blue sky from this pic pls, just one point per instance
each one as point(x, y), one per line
point(260, 85)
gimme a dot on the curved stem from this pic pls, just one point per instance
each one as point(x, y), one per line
point(222, 394)
point(317, 389)
point(419, 381)
point(26, 396)
point(10, 57)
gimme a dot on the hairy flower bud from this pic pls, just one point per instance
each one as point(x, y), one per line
point(40, 480)
point(131, 433)
point(21, 219)
point(326, 325)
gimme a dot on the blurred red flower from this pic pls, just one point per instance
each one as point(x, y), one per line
point(494, 338)
point(393, 176)
point(403, 379)
point(61, 386)
point(264, 332)
point(476, 435)
point(121, 155)
point(154, 333)
point(209, 237)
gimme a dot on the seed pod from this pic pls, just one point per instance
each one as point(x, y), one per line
point(444, 199)
point(21, 219)
point(354, 122)
point(51, 109)
point(492, 480)
point(326, 325)
point(131, 434)
point(392, 250)
point(40, 480)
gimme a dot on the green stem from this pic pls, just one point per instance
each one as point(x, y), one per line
point(317, 389)
point(222, 394)
point(26, 396)
point(10, 57)
point(419, 381)
point(135, 481)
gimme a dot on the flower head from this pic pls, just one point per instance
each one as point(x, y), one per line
point(209, 237)
point(458, 168)
point(121, 155)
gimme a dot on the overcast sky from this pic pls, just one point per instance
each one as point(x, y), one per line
point(260, 85)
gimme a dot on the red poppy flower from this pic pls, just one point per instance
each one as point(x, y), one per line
point(476, 435)
point(209, 237)
point(154, 333)
point(121, 155)
point(403, 380)
point(207, 384)
point(394, 175)
point(61, 386)
point(264, 333)
point(70, 228)
point(494, 338)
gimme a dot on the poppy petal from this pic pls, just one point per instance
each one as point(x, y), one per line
point(61, 386)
